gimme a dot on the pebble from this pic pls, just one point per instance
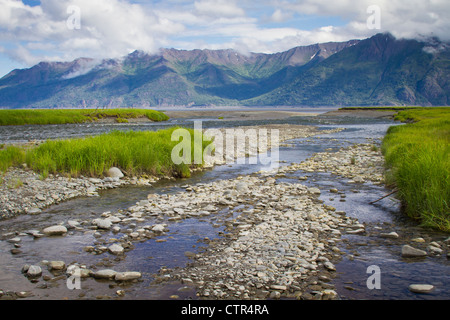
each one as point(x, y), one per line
point(56, 265)
point(329, 266)
point(127, 276)
point(116, 249)
point(421, 288)
point(391, 235)
point(15, 240)
point(55, 230)
point(105, 274)
point(102, 223)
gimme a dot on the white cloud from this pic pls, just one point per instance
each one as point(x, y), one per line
point(114, 28)
point(218, 8)
point(280, 16)
point(403, 18)
point(109, 28)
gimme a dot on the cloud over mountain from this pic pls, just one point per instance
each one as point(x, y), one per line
point(33, 31)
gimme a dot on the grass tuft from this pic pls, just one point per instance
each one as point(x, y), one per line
point(417, 159)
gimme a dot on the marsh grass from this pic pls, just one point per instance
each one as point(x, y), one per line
point(378, 108)
point(11, 156)
point(135, 153)
point(64, 116)
point(417, 158)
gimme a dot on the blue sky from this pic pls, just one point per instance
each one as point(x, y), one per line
point(63, 30)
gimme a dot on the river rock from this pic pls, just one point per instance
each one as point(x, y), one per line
point(358, 179)
point(15, 240)
point(434, 250)
point(75, 270)
point(314, 190)
point(410, 252)
point(241, 187)
point(421, 288)
point(127, 276)
point(56, 265)
point(34, 271)
point(105, 274)
point(71, 224)
point(33, 211)
point(357, 231)
point(102, 223)
point(391, 235)
point(114, 172)
point(116, 249)
point(329, 266)
point(275, 295)
point(158, 227)
point(55, 230)
point(278, 287)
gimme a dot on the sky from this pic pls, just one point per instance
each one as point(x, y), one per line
point(32, 31)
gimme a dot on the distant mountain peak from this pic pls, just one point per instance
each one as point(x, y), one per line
point(380, 70)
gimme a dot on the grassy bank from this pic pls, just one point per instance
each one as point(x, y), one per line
point(417, 157)
point(134, 152)
point(381, 108)
point(64, 116)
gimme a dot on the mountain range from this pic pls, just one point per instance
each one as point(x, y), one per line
point(380, 70)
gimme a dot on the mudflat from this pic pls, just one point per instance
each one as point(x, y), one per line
point(233, 115)
point(237, 114)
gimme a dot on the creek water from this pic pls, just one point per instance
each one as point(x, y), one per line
point(147, 257)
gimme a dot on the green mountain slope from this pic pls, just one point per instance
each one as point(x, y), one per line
point(380, 70)
point(376, 71)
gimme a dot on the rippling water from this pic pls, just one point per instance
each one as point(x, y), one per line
point(149, 256)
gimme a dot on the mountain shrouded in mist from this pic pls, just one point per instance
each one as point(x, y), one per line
point(380, 70)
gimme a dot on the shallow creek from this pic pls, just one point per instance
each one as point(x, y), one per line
point(189, 234)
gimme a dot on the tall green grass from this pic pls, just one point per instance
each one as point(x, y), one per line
point(417, 157)
point(64, 116)
point(134, 152)
point(11, 156)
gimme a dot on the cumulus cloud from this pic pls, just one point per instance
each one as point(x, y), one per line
point(403, 18)
point(218, 8)
point(108, 28)
point(114, 28)
point(280, 16)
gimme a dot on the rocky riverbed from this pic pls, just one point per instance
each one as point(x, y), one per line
point(26, 192)
point(284, 242)
point(23, 191)
point(276, 238)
